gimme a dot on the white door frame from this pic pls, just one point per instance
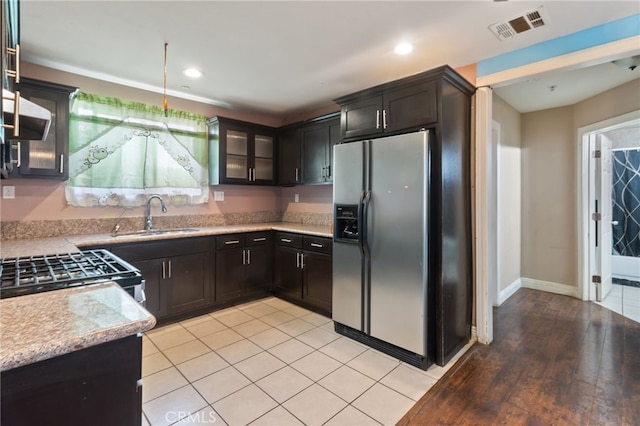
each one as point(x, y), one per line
point(585, 178)
point(484, 113)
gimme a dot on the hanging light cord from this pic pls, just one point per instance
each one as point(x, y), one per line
point(166, 104)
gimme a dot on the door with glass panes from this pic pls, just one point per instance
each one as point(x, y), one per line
point(249, 156)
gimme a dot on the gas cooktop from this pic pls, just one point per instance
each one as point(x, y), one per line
point(33, 274)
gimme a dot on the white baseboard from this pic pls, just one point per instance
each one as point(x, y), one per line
point(509, 291)
point(550, 287)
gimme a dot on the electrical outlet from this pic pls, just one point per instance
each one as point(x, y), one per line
point(8, 191)
point(218, 195)
point(296, 198)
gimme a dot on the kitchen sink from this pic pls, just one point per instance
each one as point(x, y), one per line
point(158, 231)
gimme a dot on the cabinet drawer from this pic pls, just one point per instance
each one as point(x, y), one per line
point(318, 244)
point(132, 252)
point(290, 240)
point(258, 238)
point(229, 241)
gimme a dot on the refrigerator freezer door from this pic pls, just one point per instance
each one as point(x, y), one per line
point(348, 172)
point(348, 186)
point(397, 239)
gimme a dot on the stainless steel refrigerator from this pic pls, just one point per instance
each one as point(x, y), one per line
point(381, 291)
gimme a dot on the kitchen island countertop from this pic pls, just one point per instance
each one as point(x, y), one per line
point(44, 325)
point(38, 246)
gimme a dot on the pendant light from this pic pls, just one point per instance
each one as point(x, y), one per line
point(165, 102)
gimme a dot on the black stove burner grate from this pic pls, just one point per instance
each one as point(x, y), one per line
point(26, 275)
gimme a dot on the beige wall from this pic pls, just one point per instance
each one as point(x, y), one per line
point(549, 249)
point(40, 199)
point(549, 181)
point(509, 193)
point(312, 199)
point(612, 103)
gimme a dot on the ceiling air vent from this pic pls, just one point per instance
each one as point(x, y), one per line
point(519, 24)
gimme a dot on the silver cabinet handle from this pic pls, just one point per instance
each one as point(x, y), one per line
point(297, 259)
point(61, 163)
point(377, 119)
point(164, 274)
point(297, 174)
point(328, 171)
point(255, 240)
point(244, 257)
point(170, 269)
point(15, 73)
point(384, 119)
point(323, 173)
point(16, 114)
point(285, 240)
point(18, 160)
point(301, 260)
point(317, 245)
point(248, 257)
point(232, 242)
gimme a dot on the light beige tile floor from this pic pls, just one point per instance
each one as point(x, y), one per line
point(272, 363)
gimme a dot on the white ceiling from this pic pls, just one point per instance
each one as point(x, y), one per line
point(283, 58)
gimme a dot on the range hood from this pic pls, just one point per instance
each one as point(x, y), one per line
point(33, 122)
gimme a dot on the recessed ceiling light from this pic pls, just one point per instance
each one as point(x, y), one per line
point(193, 73)
point(403, 48)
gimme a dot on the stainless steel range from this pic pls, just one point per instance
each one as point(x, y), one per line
point(33, 274)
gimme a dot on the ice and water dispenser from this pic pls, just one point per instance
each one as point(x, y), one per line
point(346, 223)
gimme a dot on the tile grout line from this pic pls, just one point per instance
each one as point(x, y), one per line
point(286, 364)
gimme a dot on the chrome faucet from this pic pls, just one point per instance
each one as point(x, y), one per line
point(148, 220)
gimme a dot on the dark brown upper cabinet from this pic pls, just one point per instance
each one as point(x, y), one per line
point(241, 153)
point(306, 150)
point(389, 109)
point(317, 144)
point(48, 158)
point(289, 157)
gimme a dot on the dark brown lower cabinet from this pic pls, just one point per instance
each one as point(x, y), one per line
point(303, 270)
point(287, 273)
point(93, 386)
point(244, 265)
point(178, 273)
point(316, 279)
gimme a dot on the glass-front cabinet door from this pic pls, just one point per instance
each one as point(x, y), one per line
point(237, 154)
point(240, 152)
point(263, 159)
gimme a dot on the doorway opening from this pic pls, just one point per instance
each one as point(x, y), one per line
point(611, 209)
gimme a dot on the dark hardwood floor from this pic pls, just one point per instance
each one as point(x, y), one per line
point(555, 360)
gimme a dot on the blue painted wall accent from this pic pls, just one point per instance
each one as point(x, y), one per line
point(595, 36)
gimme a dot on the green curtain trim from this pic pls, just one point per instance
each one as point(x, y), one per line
point(114, 123)
point(137, 106)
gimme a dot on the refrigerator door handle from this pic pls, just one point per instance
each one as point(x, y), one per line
point(364, 223)
point(360, 222)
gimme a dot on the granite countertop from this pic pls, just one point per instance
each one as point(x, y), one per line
point(36, 246)
point(45, 325)
point(107, 239)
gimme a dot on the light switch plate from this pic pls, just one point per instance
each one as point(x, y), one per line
point(218, 195)
point(8, 191)
point(296, 198)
